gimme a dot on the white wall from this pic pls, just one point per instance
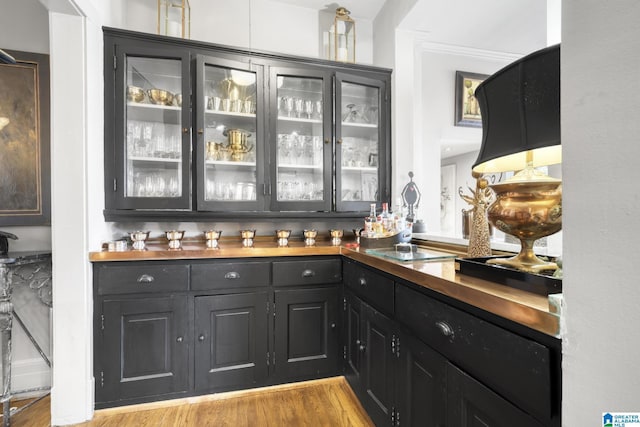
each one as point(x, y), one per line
point(257, 24)
point(599, 63)
point(29, 370)
point(439, 66)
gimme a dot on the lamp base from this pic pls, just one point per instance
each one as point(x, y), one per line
point(526, 260)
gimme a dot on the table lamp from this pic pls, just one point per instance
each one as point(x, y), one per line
point(520, 107)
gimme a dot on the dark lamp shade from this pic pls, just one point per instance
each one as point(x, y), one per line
point(520, 107)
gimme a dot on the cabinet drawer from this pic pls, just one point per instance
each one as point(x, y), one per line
point(307, 272)
point(225, 275)
point(371, 286)
point(488, 352)
point(142, 278)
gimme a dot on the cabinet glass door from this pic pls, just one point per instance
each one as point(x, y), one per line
point(301, 149)
point(359, 110)
point(156, 155)
point(230, 100)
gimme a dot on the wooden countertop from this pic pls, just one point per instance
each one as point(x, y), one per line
point(525, 308)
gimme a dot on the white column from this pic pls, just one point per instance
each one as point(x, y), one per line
point(72, 391)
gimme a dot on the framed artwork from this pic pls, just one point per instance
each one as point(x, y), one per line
point(447, 199)
point(467, 108)
point(25, 181)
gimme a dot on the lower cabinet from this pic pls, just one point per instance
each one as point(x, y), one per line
point(424, 363)
point(307, 335)
point(144, 349)
point(172, 329)
point(371, 359)
point(231, 345)
point(471, 404)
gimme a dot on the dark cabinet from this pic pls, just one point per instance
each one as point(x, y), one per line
point(421, 387)
point(166, 329)
point(204, 131)
point(231, 344)
point(307, 333)
point(144, 348)
point(422, 362)
point(471, 404)
point(370, 353)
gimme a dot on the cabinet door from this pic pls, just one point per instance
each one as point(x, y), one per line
point(301, 117)
point(148, 147)
point(145, 347)
point(378, 341)
point(421, 385)
point(363, 142)
point(354, 349)
point(230, 138)
point(471, 404)
point(306, 333)
point(231, 341)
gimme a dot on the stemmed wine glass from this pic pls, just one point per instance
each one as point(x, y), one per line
point(308, 108)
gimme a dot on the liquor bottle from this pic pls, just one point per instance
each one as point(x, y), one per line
point(385, 218)
point(370, 221)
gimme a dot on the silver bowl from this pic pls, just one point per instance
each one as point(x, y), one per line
point(175, 237)
point(283, 237)
point(138, 238)
point(212, 237)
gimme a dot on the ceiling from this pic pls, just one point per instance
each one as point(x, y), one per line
point(511, 26)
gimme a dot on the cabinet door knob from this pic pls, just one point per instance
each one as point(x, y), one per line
point(362, 347)
point(339, 141)
point(327, 140)
point(232, 275)
point(201, 337)
point(200, 131)
point(445, 329)
point(362, 281)
point(145, 278)
point(185, 130)
point(308, 273)
point(179, 339)
point(333, 325)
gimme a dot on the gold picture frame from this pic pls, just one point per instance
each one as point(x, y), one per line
point(25, 161)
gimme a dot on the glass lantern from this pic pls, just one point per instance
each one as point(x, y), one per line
point(342, 37)
point(174, 18)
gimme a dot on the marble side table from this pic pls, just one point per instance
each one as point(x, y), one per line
point(32, 269)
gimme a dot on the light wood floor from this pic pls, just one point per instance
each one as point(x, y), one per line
point(328, 402)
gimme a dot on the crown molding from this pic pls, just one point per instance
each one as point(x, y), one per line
point(422, 45)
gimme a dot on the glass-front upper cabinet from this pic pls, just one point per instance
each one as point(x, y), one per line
point(361, 142)
point(152, 170)
point(300, 105)
point(230, 143)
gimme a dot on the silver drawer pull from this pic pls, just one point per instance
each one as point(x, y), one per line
point(308, 273)
point(445, 329)
point(232, 275)
point(145, 278)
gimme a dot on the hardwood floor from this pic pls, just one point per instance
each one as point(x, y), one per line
point(329, 402)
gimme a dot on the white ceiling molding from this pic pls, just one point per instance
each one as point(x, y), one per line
point(431, 47)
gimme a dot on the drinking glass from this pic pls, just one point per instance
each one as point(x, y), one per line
point(308, 108)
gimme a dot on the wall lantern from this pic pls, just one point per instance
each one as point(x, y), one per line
point(174, 18)
point(342, 37)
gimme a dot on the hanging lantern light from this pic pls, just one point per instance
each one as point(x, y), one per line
point(174, 18)
point(342, 37)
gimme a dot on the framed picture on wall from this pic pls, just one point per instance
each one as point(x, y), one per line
point(467, 108)
point(25, 190)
